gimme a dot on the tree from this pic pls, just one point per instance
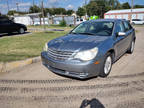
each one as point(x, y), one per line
point(11, 12)
point(92, 8)
point(126, 5)
point(63, 23)
point(70, 12)
point(34, 9)
point(138, 6)
point(48, 10)
point(81, 11)
point(97, 7)
point(59, 11)
point(114, 4)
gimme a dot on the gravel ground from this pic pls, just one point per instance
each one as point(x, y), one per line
point(33, 86)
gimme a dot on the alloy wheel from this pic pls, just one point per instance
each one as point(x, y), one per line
point(108, 64)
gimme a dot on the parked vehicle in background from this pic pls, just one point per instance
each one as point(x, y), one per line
point(90, 49)
point(79, 20)
point(8, 26)
point(137, 21)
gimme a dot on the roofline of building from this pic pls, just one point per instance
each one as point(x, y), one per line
point(114, 11)
point(124, 13)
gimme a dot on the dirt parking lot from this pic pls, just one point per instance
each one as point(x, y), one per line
point(34, 86)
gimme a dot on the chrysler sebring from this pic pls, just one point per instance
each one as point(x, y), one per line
point(89, 49)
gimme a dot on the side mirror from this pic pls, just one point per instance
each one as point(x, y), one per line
point(121, 34)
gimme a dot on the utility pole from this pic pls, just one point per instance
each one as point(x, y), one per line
point(33, 2)
point(43, 14)
point(7, 5)
point(33, 6)
point(17, 6)
point(131, 10)
point(86, 9)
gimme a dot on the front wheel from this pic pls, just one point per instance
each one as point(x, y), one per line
point(107, 65)
point(21, 30)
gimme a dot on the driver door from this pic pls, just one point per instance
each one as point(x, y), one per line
point(120, 41)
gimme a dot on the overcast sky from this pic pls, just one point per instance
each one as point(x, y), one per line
point(67, 4)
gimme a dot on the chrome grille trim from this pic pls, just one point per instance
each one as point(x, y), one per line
point(59, 55)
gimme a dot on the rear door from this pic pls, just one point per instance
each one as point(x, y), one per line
point(129, 32)
point(9, 26)
point(1, 27)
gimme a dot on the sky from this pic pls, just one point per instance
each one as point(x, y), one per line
point(67, 4)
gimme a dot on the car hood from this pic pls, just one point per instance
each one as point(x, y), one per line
point(20, 24)
point(74, 42)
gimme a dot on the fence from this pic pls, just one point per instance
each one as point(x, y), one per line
point(70, 20)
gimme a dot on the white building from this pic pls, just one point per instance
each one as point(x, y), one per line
point(30, 19)
point(125, 14)
point(26, 20)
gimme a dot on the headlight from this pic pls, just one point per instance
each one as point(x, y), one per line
point(87, 55)
point(45, 47)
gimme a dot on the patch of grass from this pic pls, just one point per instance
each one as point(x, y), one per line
point(23, 47)
point(66, 28)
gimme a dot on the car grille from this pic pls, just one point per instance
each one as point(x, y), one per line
point(59, 55)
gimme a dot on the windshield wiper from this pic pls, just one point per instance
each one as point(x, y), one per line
point(74, 33)
point(87, 33)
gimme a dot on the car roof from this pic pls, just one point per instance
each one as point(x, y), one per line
point(112, 20)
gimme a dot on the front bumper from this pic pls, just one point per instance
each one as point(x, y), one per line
point(81, 70)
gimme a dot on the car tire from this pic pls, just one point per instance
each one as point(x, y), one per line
point(133, 23)
point(21, 30)
point(131, 49)
point(107, 65)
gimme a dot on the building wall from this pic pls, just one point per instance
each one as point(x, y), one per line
point(125, 15)
point(26, 20)
point(70, 20)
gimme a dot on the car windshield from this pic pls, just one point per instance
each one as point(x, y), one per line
point(103, 28)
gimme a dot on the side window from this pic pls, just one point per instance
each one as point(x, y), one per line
point(119, 27)
point(130, 27)
point(126, 25)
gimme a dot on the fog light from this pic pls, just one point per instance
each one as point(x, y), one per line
point(83, 74)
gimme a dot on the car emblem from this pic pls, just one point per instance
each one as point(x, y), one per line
point(59, 41)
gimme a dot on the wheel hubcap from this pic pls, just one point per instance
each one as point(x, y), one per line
point(108, 64)
point(21, 30)
point(132, 46)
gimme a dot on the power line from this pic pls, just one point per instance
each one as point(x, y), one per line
point(17, 4)
point(8, 5)
point(131, 9)
point(42, 6)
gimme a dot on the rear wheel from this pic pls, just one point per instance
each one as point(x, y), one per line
point(131, 49)
point(21, 30)
point(107, 65)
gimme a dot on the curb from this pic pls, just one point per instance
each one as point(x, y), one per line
point(5, 67)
